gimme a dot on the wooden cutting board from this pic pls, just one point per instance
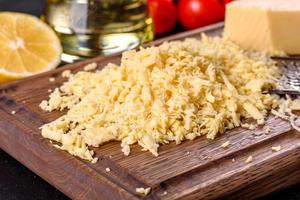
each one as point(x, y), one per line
point(198, 169)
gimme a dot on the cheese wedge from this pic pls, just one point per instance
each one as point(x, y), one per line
point(265, 25)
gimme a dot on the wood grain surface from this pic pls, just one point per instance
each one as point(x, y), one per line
point(198, 169)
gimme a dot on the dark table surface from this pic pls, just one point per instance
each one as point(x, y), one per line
point(17, 182)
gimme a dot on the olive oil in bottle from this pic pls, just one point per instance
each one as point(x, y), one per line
point(98, 27)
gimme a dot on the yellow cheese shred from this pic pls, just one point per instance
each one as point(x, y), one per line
point(179, 90)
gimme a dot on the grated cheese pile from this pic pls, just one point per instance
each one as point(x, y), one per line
point(177, 91)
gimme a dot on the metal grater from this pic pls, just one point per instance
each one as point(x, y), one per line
point(289, 83)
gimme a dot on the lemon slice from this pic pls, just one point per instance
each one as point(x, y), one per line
point(27, 46)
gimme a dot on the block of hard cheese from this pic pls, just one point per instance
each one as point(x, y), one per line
point(264, 25)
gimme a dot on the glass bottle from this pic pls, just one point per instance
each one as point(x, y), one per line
point(89, 28)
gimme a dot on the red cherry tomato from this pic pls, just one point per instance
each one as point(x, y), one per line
point(164, 15)
point(197, 13)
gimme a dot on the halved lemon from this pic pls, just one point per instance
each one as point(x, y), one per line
point(27, 46)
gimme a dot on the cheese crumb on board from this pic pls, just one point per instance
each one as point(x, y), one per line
point(249, 159)
point(143, 191)
point(225, 144)
point(165, 192)
point(267, 129)
point(56, 145)
point(276, 148)
point(107, 169)
point(90, 67)
point(94, 160)
point(252, 127)
point(13, 112)
point(248, 126)
point(51, 79)
point(66, 74)
point(174, 92)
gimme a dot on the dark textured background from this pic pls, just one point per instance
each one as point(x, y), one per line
point(17, 182)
